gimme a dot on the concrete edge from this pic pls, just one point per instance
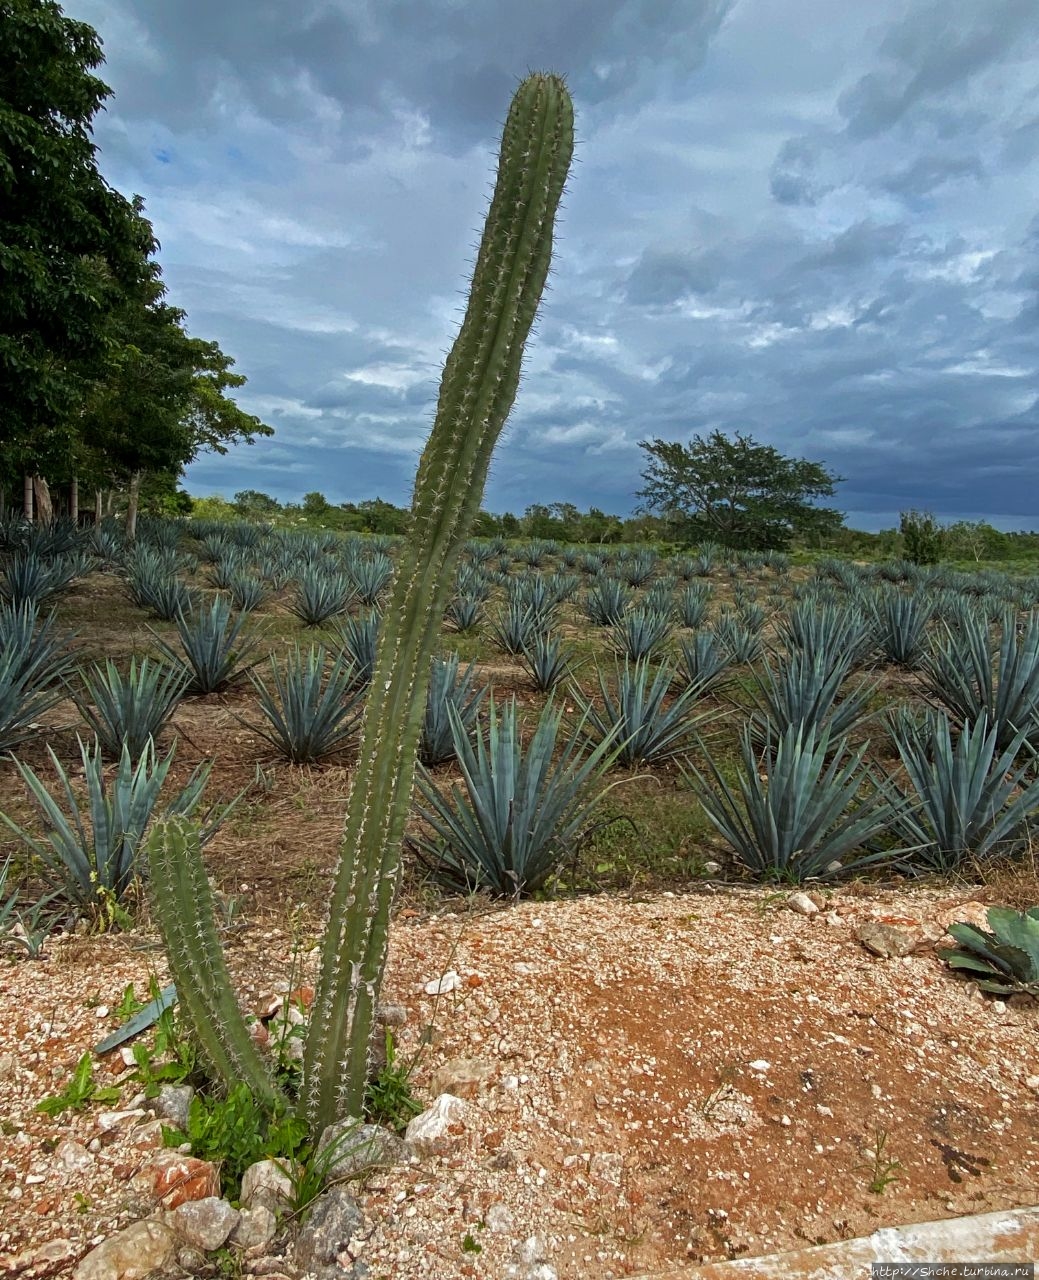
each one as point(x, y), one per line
point(1010, 1235)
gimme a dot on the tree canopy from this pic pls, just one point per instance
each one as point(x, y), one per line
point(736, 491)
point(98, 377)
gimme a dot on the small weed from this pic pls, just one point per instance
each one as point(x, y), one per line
point(172, 1057)
point(128, 1004)
point(470, 1244)
point(82, 1201)
point(882, 1171)
point(80, 1090)
point(236, 1131)
point(388, 1098)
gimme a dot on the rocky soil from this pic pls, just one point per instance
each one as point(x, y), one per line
point(640, 1082)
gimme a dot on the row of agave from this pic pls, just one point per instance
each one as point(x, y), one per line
point(801, 806)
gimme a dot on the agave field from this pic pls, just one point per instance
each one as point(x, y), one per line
point(600, 720)
point(598, 716)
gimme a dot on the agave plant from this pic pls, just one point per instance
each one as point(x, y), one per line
point(803, 690)
point(522, 811)
point(451, 696)
point(971, 674)
point(638, 569)
point(548, 660)
point(801, 805)
point(974, 801)
point(464, 613)
point(246, 591)
point(833, 634)
point(704, 663)
point(742, 644)
point(646, 730)
point(321, 595)
point(34, 660)
point(128, 711)
point(90, 854)
point(640, 632)
point(1004, 961)
point(359, 636)
point(371, 577)
point(31, 578)
point(516, 626)
point(311, 709)
point(229, 568)
point(215, 645)
point(694, 603)
point(605, 602)
point(901, 627)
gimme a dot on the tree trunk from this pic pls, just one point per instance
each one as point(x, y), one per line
point(131, 506)
point(74, 501)
point(109, 501)
point(42, 493)
point(27, 502)
point(97, 506)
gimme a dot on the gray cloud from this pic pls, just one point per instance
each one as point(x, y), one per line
point(813, 224)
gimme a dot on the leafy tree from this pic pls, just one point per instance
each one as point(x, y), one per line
point(922, 537)
point(975, 540)
point(735, 491)
point(315, 505)
point(69, 243)
point(256, 505)
point(159, 400)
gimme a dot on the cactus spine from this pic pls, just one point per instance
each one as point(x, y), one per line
point(184, 908)
point(477, 390)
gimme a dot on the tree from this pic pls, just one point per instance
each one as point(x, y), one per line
point(255, 505)
point(922, 537)
point(738, 492)
point(69, 243)
point(159, 398)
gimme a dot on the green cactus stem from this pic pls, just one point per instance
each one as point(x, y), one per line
point(477, 390)
point(184, 909)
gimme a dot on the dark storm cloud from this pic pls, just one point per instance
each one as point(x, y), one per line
point(815, 222)
point(934, 52)
point(456, 62)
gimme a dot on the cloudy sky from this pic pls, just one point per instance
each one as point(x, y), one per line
point(816, 221)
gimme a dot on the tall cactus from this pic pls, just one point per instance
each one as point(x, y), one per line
point(477, 390)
